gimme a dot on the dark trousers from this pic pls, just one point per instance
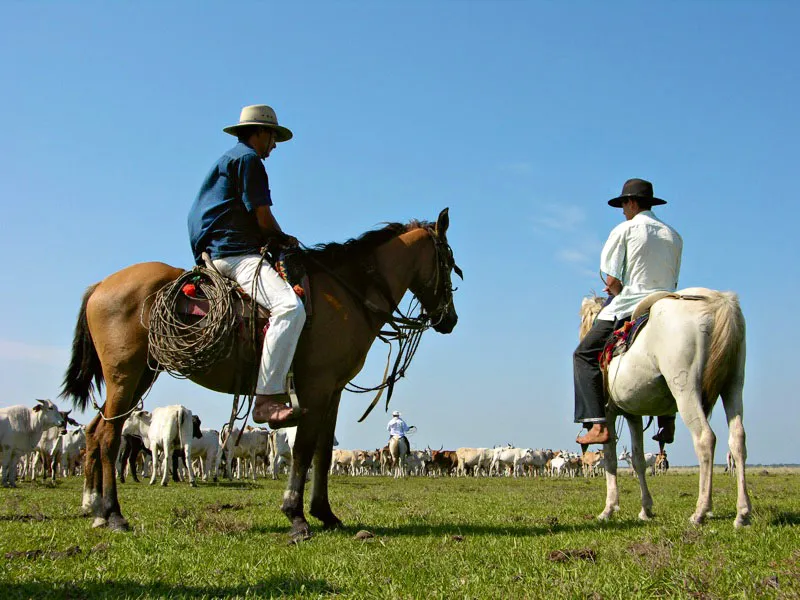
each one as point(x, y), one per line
point(589, 393)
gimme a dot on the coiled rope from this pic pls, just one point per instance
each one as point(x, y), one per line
point(183, 348)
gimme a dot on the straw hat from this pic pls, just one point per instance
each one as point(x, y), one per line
point(260, 114)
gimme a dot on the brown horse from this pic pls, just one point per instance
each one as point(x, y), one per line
point(355, 287)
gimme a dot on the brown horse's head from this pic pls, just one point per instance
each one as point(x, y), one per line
point(435, 288)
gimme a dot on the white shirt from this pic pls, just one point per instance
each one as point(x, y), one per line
point(397, 426)
point(644, 253)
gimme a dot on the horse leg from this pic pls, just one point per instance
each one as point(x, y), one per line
point(610, 458)
point(320, 504)
point(302, 453)
point(691, 411)
point(123, 391)
point(732, 401)
point(639, 465)
point(92, 476)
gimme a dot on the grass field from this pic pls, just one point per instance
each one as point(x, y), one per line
point(433, 538)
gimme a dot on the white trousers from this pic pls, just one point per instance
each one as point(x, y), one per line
point(287, 316)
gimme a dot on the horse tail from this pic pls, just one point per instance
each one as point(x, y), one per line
point(84, 366)
point(727, 342)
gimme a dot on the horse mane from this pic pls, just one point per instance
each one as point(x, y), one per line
point(590, 308)
point(355, 250)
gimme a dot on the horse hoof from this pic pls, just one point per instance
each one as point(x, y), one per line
point(333, 525)
point(645, 515)
point(299, 534)
point(99, 522)
point(741, 521)
point(604, 516)
point(118, 523)
point(696, 519)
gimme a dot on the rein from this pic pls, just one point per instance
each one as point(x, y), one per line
point(406, 330)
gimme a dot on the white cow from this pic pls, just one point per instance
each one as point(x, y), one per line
point(649, 460)
point(474, 459)
point(69, 452)
point(253, 443)
point(206, 449)
point(281, 442)
point(510, 458)
point(20, 430)
point(167, 428)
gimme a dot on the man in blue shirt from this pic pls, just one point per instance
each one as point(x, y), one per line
point(231, 219)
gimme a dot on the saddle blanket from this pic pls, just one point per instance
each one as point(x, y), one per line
point(622, 339)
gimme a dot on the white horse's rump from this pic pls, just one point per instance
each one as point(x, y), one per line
point(398, 449)
point(690, 353)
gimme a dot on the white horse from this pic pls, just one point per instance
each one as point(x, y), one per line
point(398, 449)
point(691, 352)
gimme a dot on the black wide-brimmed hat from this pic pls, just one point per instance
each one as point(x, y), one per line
point(636, 188)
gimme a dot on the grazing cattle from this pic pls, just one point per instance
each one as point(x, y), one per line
point(511, 459)
point(70, 452)
point(649, 460)
point(20, 430)
point(592, 462)
point(474, 460)
point(345, 461)
point(167, 428)
point(443, 462)
point(281, 442)
point(417, 461)
point(537, 461)
point(204, 452)
point(253, 443)
point(662, 464)
point(131, 446)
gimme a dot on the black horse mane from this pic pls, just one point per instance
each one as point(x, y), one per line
point(356, 250)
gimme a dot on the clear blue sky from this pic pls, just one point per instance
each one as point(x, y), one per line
point(522, 117)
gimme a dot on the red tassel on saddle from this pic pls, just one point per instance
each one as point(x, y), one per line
point(189, 289)
point(298, 289)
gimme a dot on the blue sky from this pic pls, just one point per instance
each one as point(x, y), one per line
point(522, 117)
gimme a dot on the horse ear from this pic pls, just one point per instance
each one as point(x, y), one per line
point(443, 222)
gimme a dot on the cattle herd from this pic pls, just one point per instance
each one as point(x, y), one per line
point(38, 442)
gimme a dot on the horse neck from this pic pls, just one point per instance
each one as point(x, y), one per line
point(402, 259)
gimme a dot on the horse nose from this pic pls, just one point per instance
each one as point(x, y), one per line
point(447, 324)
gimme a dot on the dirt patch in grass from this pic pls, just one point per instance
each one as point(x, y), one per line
point(24, 517)
point(217, 523)
point(218, 507)
point(568, 554)
point(36, 554)
point(650, 555)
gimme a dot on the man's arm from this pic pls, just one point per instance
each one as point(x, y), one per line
point(270, 228)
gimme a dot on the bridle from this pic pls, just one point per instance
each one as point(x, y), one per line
point(407, 330)
point(445, 262)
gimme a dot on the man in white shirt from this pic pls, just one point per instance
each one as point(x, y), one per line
point(398, 427)
point(642, 256)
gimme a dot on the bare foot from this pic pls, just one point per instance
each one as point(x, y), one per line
point(598, 434)
point(272, 409)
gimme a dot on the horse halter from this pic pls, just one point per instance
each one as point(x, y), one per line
point(445, 262)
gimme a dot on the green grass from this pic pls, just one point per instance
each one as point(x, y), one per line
point(434, 538)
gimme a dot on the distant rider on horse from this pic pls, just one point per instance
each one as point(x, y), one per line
point(231, 220)
point(642, 255)
point(398, 427)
